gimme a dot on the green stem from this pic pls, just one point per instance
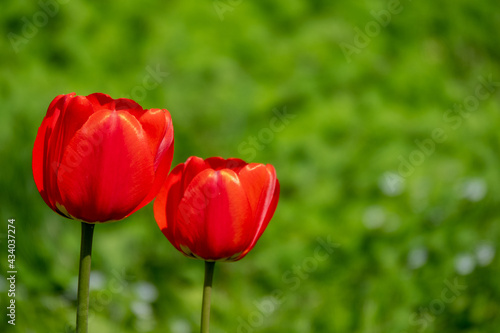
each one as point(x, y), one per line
point(207, 290)
point(82, 312)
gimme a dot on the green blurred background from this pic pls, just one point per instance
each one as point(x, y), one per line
point(389, 149)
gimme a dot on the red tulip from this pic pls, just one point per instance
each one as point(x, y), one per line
point(99, 159)
point(216, 209)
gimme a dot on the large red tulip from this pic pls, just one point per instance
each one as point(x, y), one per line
point(99, 159)
point(216, 209)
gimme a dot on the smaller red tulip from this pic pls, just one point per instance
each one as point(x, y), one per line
point(99, 159)
point(216, 209)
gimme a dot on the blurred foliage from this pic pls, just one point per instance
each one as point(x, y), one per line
point(411, 212)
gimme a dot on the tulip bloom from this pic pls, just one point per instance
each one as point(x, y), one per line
point(99, 159)
point(216, 209)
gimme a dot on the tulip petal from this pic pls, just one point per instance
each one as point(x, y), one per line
point(41, 147)
point(125, 104)
point(156, 123)
point(53, 152)
point(42, 137)
point(218, 163)
point(166, 203)
point(73, 114)
point(214, 216)
point(157, 126)
point(259, 182)
point(105, 181)
point(193, 166)
point(101, 101)
point(272, 208)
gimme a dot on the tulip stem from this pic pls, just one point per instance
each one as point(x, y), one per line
point(82, 311)
point(207, 291)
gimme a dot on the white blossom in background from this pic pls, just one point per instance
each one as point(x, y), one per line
point(485, 253)
point(97, 280)
point(180, 326)
point(417, 257)
point(146, 291)
point(144, 312)
point(474, 189)
point(465, 263)
point(141, 309)
point(391, 184)
point(374, 217)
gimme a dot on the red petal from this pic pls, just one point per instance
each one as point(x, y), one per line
point(41, 147)
point(272, 206)
point(218, 163)
point(214, 216)
point(259, 182)
point(193, 166)
point(129, 105)
point(73, 114)
point(154, 122)
point(101, 101)
point(106, 181)
point(167, 202)
point(157, 125)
